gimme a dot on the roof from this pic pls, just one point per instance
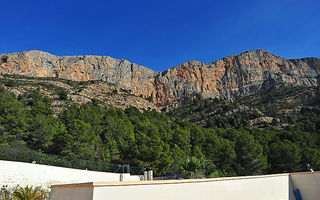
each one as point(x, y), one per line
point(130, 183)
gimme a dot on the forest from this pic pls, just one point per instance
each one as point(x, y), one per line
point(217, 146)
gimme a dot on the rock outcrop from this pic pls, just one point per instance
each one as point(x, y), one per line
point(237, 75)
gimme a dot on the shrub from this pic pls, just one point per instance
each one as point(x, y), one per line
point(24, 193)
point(63, 95)
point(10, 83)
point(30, 193)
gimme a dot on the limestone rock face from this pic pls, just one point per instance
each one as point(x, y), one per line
point(122, 73)
point(237, 75)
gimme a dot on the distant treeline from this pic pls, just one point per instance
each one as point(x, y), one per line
point(153, 140)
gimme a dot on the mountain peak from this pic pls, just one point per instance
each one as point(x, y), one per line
point(258, 53)
point(38, 53)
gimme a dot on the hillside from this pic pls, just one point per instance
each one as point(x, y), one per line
point(238, 75)
point(277, 109)
point(151, 139)
point(64, 92)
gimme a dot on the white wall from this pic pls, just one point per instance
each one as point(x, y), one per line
point(262, 188)
point(268, 187)
point(14, 173)
point(308, 184)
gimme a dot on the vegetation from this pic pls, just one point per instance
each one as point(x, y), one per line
point(30, 193)
point(24, 193)
point(292, 107)
point(26, 155)
point(219, 140)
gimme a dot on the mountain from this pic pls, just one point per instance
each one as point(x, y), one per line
point(246, 114)
point(238, 75)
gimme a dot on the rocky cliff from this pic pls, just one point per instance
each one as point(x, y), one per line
point(237, 75)
point(242, 74)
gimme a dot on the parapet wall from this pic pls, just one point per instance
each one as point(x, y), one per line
point(307, 183)
point(267, 187)
point(13, 173)
point(241, 189)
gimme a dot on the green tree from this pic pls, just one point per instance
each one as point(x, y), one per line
point(13, 116)
point(41, 130)
point(285, 156)
point(250, 158)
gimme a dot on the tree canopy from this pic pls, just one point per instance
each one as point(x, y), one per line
point(154, 140)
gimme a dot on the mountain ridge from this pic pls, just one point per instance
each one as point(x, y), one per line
point(123, 59)
point(231, 76)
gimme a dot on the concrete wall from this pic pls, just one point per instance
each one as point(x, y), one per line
point(14, 173)
point(78, 193)
point(262, 188)
point(81, 192)
point(308, 184)
point(268, 187)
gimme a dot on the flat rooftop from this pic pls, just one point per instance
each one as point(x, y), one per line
point(160, 182)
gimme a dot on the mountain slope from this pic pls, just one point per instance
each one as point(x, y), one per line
point(63, 92)
point(242, 74)
point(277, 109)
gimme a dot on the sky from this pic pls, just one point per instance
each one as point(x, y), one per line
point(161, 34)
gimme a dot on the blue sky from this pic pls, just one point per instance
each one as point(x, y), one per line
point(161, 34)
